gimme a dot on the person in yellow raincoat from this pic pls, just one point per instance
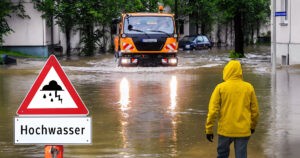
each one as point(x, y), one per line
point(234, 103)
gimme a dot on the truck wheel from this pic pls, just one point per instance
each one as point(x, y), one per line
point(118, 61)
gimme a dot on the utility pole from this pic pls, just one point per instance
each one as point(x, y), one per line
point(273, 49)
point(176, 16)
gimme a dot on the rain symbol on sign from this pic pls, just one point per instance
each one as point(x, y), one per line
point(51, 88)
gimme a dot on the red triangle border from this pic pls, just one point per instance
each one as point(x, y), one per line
point(52, 62)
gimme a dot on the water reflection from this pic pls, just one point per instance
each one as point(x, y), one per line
point(148, 121)
point(157, 112)
point(124, 94)
point(283, 136)
point(173, 92)
point(173, 104)
point(124, 102)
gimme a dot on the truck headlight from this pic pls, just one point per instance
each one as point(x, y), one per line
point(172, 61)
point(125, 61)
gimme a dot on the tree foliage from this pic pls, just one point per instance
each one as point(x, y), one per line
point(63, 11)
point(7, 8)
point(246, 15)
point(93, 18)
point(202, 15)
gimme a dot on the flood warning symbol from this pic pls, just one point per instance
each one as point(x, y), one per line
point(51, 92)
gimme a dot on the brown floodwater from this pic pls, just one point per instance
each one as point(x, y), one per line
point(159, 111)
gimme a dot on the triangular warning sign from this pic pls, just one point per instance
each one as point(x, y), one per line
point(52, 94)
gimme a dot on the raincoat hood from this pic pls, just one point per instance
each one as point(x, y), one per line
point(233, 71)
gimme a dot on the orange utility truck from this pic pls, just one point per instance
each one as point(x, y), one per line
point(146, 39)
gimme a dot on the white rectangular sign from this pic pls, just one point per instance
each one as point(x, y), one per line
point(53, 130)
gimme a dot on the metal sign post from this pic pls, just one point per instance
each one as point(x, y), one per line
point(54, 151)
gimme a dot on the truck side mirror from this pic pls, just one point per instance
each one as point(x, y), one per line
point(116, 20)
point(130, 27)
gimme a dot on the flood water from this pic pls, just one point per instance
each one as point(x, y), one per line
point(159, 111)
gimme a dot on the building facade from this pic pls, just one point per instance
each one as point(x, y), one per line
point(285, 32)
point(29, 34)
point(33, 36)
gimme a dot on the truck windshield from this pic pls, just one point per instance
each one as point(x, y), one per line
point(149, 25)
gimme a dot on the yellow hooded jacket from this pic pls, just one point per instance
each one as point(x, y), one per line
point(234, 103)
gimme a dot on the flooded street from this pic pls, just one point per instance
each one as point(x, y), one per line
point(159, 111)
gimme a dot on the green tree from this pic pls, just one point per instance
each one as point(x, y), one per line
point(94, 19)
point(87, 14)
point(202, 15)
point(241, 13)
point(91, 18)
point(257, 15)
point(7, 7)
point(64, 13)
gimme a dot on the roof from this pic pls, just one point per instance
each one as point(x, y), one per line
point(149, 14)
point(193, 35)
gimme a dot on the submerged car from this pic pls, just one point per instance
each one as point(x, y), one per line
point(195, 42)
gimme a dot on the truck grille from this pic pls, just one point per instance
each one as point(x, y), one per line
point(149, 46)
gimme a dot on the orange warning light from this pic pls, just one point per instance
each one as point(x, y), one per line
point(160, 8)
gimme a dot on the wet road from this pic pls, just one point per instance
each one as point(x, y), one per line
point(160, 111)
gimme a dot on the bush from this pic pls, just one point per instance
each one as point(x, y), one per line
point(233, 54)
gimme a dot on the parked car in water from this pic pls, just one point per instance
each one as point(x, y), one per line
point(195, 42)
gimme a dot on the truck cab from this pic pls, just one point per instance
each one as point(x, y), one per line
point(146, 39)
